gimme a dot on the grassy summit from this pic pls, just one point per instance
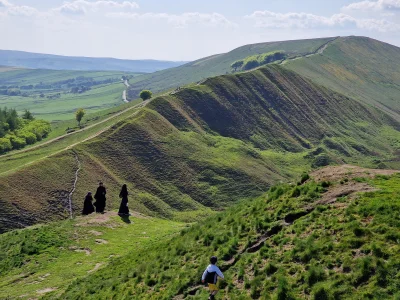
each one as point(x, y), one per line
point(362, 68)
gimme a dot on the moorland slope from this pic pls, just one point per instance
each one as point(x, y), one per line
point(206, 146)
point(362, 68)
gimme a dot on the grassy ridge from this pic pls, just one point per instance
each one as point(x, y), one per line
point(362, 68)
point(347, 249)
point(207, 146)
point(216, 65)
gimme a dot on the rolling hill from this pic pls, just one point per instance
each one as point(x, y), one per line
point(359, 67)
point(57, 62)
point(207, 146)
point(218, 64)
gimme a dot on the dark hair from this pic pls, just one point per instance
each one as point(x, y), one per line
point(213, 260)
point(100, 183)
point(124, 191)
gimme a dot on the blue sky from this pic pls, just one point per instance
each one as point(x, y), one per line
point(185, 30)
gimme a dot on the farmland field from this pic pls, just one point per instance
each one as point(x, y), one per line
point(55, 95)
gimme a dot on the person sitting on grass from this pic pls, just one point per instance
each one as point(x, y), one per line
point(88, 207)
point(210, 276)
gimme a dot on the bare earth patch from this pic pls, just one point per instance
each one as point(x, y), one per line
point(344, 190)
point(96, 267)
point(47, 290)
point(96, 233)
point(335, 173)
point(101, 241)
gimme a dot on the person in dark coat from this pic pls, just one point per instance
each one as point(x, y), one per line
point(100, 197)
point(88, 207)
point(123, 208)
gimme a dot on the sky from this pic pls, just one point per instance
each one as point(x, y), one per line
point(185, 30)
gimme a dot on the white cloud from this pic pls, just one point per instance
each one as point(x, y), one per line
point(4, 3)
point(374, 5)
point(81, 7)
point(24, 11)
point(305, 20)
point(179, 21)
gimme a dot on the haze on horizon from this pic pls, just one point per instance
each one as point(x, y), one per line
point(172, 30)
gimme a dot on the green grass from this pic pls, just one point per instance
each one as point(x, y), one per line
point(362, 68)
point(54, 255)
point(100, 97)
point(344, 251)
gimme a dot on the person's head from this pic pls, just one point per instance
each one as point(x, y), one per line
point(124, 188)
point(89, 193)
point(213, 260)
point(100, 183)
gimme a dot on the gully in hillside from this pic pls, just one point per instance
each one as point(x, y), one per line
point(100, 197)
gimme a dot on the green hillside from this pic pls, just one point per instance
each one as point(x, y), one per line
point(318, 240)
point(55, 95)
point(217, 65)
point(207, 146)
point(332, 236)
point(362, 68)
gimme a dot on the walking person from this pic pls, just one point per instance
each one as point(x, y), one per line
point(88, 207)
point(210, 276)
point(100, 197)
point(123, 208)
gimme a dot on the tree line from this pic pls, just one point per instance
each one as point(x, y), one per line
point(18, 131)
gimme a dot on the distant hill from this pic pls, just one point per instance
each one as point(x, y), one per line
point(362, 68)
point(218, 64)
point(206, 146)
point(57, 62)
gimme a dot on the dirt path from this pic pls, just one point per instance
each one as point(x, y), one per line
point(74, 186)
point(320, 50)
point(126, 83)
point(335, 173)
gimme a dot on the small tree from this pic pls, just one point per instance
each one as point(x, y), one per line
point(79, 115)
point(27, 115)
point(145, 94)
point(237, 65)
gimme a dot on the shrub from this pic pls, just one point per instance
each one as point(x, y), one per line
point(29, 137)
point(304, 178)
point(321, 292)
point(315, 274)
point(5, 145)
point(145, 94)
point(16, 142)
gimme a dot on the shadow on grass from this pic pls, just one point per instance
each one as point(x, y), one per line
point(125, 219)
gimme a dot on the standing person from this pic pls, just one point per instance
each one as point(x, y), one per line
point(210, 276)
point(88, 207)
point(123, 208)
point(100, 197)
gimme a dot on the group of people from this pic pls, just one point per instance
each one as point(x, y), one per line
point(210, 275)
point(100, 204)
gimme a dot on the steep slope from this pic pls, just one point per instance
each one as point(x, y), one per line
point(207, 146)
point(217, 65)
point(58, 62)
point(359, 67)
point(333, 239)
